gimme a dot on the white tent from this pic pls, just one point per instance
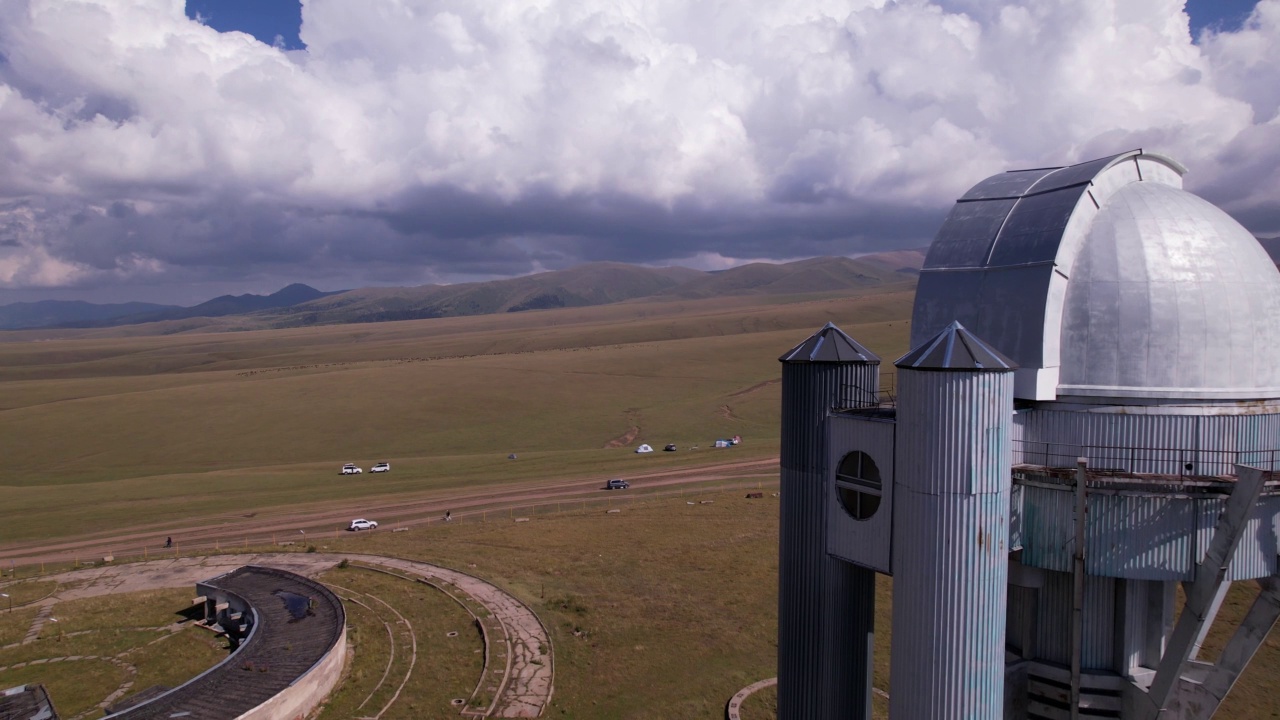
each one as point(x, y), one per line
point(644, 448)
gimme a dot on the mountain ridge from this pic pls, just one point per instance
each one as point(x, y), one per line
point(597, 283)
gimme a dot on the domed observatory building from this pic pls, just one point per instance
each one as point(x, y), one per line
point(1127, 330)
point(1144, 322)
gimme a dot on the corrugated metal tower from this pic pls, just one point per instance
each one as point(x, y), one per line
point(951, 536)
point(1037, 553)
point(825, 606)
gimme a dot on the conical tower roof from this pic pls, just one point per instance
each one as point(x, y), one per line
point(830, 345)
point(955, 348)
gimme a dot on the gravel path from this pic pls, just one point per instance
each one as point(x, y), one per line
point(404, 510)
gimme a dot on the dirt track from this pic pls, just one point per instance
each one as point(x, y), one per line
point(399, 511)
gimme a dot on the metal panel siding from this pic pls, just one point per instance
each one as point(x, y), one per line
point(949, 606)
point(1198, 306)
point(1255, 556)
point(865, 542)
point(944, 296)
point(1006, 184)
point(951, 544)
point(1142, 537)
point(1148, 443)
point(966, 237)
point(1048, 528)
point(1098, 649)
point(1131, 624)
point(1054, 609)
point(1015, 517)
point(1034, 227)
point(1053, 618)
point(956, 425)
point(1138, 537)
point(824, 604)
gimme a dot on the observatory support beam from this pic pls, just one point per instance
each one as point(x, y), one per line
point(951, 544)
point(1201, 594)
point(1204, 686)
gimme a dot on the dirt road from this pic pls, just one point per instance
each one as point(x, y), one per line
point(295, 523)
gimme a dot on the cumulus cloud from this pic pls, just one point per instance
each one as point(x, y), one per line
point(428, 141)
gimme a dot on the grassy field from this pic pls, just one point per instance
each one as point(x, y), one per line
point(99, 643)
point(663, 610)
point(444, 667)
point(103, 433)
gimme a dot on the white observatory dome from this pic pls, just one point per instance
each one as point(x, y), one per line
point(1107, 280)
point(1170, 297)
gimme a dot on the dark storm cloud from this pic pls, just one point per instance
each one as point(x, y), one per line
point(622, 227)
point(144, 150)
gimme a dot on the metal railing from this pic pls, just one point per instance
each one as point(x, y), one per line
point(855, 397)
point(1124, 460)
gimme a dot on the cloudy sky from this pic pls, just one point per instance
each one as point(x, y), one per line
point(153, 151)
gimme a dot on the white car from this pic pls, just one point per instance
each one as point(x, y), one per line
point(351, 469)
point(362, 524)
point(381, 467)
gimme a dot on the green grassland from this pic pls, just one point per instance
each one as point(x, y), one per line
point(103, 432)
point(82, 658)
point(663, 610)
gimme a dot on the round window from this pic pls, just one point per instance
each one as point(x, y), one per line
point(858, 485)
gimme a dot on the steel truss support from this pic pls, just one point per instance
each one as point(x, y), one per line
point(1185, 688)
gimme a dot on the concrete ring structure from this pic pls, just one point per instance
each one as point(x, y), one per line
point(520, 676)
point(734, 709)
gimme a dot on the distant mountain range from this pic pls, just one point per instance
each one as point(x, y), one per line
point(599, 284)
point(591, 284)
point(77, 314)
point(49, 313)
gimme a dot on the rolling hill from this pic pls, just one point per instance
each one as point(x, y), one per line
point(591, 284)
point(599, 284)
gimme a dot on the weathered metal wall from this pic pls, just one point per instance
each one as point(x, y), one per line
point(1053, 621)
point(950, 544)
point(862, 542)
point(1142, 536)
point(825, 606)
point(1152, 441)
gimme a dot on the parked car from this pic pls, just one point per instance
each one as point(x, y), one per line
point(362, 524)
point(381, 467)
point(351, 469)
point(671, 447)
point(617, 484)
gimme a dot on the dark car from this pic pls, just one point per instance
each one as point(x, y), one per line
point(671, 447)
point(617, 484)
